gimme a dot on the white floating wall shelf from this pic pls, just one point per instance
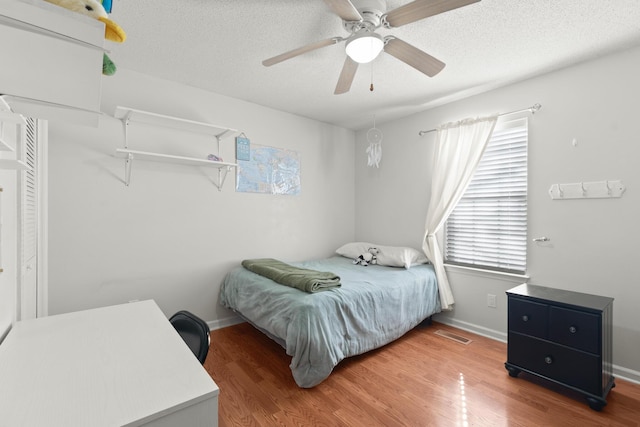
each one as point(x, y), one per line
point(588, 190)
point(129, 115)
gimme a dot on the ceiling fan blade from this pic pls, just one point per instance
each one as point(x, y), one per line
point(413, 56)
point(420, 9)
point(299, 51)
point(346, 76)
point(344, 9)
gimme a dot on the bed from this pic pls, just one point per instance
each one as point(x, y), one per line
point(373, 306)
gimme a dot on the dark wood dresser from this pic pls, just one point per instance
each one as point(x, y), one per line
point(562, 336)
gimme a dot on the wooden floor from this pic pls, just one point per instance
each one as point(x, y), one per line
point(423, 379)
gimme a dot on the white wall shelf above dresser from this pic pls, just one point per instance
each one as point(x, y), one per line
point(130, 115)
point(41, 36)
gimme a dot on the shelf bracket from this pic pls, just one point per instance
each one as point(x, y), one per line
point(218, 151)
point(125, 127)
point(222, 176)
point(127, 169)
point(129, 159)
point(223, 134)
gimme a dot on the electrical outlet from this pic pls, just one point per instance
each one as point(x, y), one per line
point(491, 300)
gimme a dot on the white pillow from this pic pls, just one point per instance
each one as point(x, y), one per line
point(355, 249)
point(391, 256)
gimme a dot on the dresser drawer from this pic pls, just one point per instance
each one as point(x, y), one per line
point(575, 329)
point(565, 365)
point(562, 336)
point(528, 317)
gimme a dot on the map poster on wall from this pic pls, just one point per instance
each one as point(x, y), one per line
point(269, 170)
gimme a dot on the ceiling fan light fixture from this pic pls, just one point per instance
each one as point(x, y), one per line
point(364, 47)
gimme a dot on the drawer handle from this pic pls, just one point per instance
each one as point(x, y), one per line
point(548, 360)
point(525, 318)
point(573, 329)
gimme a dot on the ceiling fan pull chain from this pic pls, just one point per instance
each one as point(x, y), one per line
point(371, 87)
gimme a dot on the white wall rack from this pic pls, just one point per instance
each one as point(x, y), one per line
point(129, 115)
point(588, 190)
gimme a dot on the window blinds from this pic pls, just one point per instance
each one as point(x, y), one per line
point(488, 227)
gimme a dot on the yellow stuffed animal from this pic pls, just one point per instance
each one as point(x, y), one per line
point(94, 9)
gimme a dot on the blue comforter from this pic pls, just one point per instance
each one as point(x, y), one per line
point(374, 306)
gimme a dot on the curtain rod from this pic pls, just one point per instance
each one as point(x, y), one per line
point(532, 110)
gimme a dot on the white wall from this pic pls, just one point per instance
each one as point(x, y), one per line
point(8, 251)
point(171, 235)
point(594, 242)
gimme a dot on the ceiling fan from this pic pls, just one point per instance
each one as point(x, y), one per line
point(361, 18)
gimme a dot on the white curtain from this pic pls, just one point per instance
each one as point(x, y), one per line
point(459, 148)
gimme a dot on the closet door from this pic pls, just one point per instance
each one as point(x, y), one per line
point(28, 223)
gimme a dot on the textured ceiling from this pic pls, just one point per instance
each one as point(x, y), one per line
point(218, 45)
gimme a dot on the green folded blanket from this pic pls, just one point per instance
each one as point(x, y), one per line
point(289, 275)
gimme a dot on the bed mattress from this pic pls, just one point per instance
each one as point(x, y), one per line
point(373, 306)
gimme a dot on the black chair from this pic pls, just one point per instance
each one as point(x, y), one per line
point(194, 331)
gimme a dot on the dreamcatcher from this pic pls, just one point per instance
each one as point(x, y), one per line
point(374, 151)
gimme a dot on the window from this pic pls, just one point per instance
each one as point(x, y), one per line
point(488, 227)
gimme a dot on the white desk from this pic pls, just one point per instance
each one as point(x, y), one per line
point(123, 365)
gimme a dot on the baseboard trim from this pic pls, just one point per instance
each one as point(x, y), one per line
point(223, 323)
point(626, 374)
point(473, 328)
point(618, 371)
